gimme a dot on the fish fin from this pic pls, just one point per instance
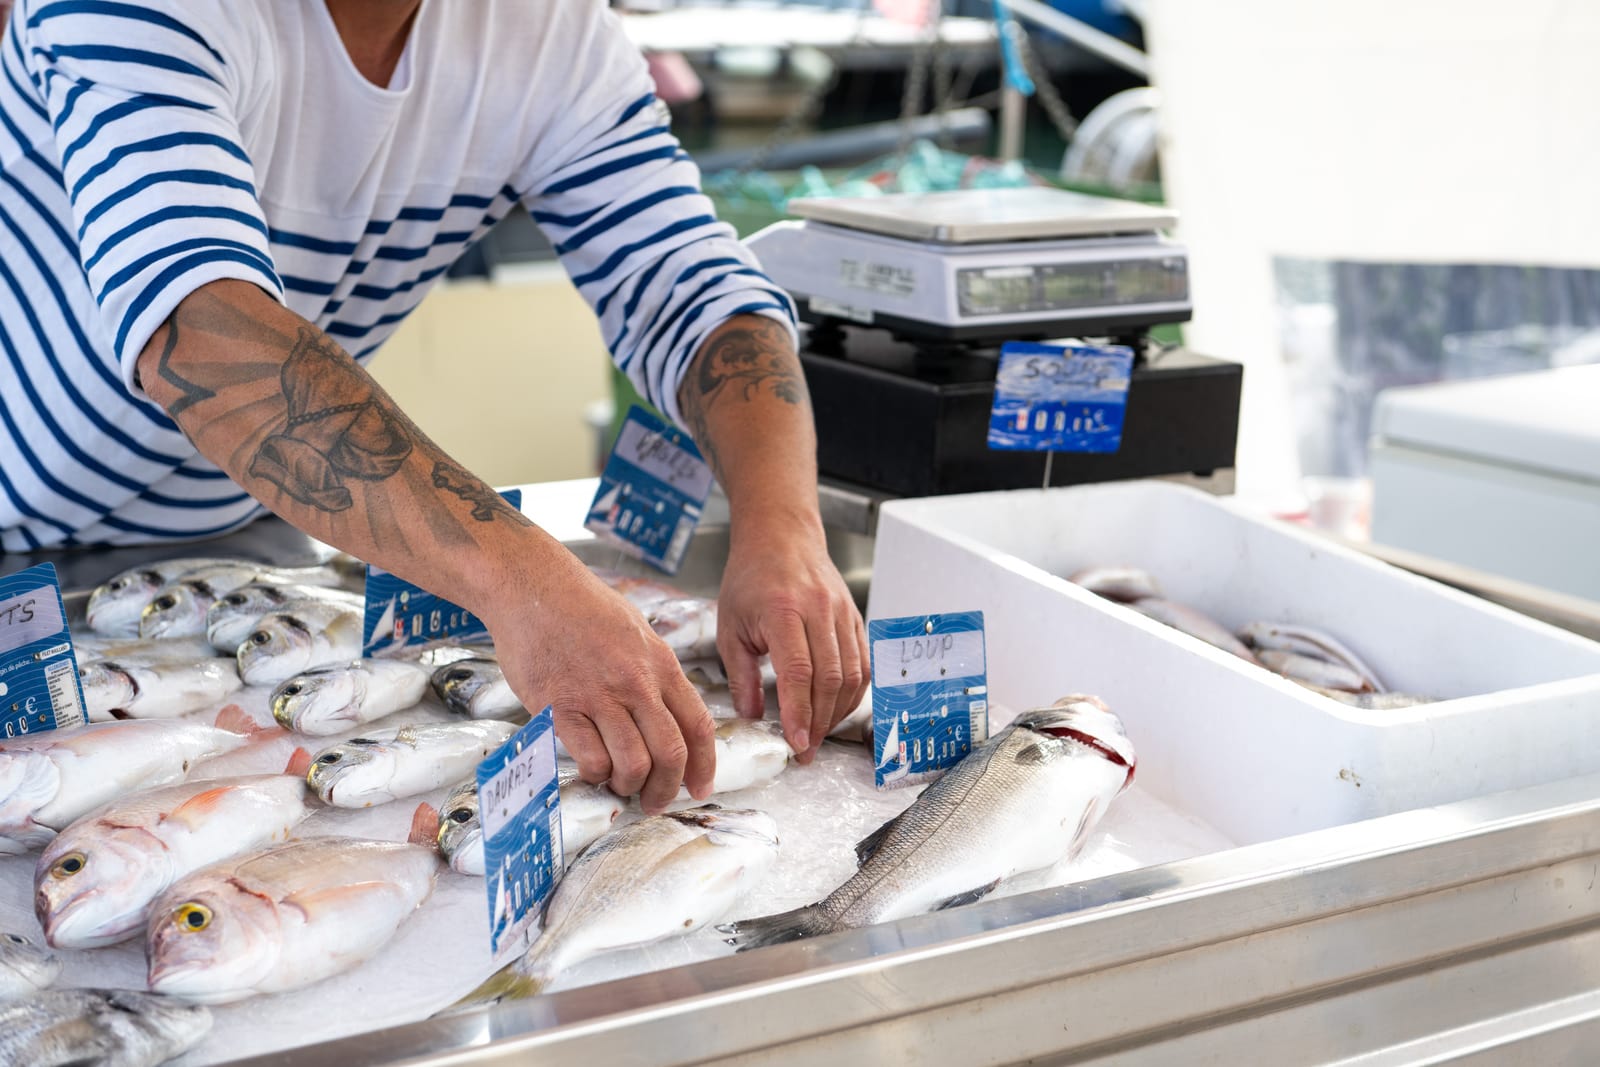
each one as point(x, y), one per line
point(198, 806)
point(299, 763)
point(870, 844)
point(1086, 823)
point(508, 983)
point(424, 826)
point(746, 934)
point(1037, 753)
point(236, 720)
point(968, 897)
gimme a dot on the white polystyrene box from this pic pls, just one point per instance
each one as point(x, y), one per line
point(1252, 753)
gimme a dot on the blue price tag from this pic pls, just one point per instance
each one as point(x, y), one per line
point(39, 687)
point(397, 613)
point(519, 808)
point(1060, 397)
point(651, 492)
point(930, 690)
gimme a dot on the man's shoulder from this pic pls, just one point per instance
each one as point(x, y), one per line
point(217, 26)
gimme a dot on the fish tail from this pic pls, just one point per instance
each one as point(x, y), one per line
point(508, 983)
point(746, 934)
point(299, 763)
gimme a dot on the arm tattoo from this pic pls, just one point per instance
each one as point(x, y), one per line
point(192, 393)
point(486, 503)
point(744, 362)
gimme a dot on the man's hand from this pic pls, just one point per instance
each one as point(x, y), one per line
point(783, 597)
point(622, 705)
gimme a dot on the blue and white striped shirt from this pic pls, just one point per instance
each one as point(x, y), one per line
point(149, 148)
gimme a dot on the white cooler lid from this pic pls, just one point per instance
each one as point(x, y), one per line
point(1548, 420)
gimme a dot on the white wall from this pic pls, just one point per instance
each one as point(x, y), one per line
point(1404, 130)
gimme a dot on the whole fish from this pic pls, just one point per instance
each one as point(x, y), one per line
point(232, 618)
point(95, 883)
point(25, 968)
point(115, 605)
point(331, 700)
point(477, 688)
point(587, 811)
point(1317, 672)
point(1387, 701)
point(50, 780)
point(286, 643)
point(1304, 641)
point(155, 689)
point(91, 647)
point(748, 752)
point(1122, 584)
point(392, 764)
point(1023, 800)
point(179, 608)
point(1191, 622)
point(98, 1028)
point(666, 875)
point(688, 624)
point(283, 917)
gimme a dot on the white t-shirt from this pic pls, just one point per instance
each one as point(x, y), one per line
point(149, 148)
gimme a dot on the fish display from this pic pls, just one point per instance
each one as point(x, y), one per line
point(1348, 672)
point(653, 879)
point(115, 605)
point(688, 624)
point(1023, 800)
point(587, 811)
point(232, 617)
point(393, 764)
point(477, 688)
point(95, 882)
point(50, 780)
point(283, 917)
point(178, 608)
point(132, 688)
point(98, 1028)
point(331, 700)
point(25, 967)
point(286, 643)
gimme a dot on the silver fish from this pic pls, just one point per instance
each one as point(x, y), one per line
point(1317, 672)
point(748, 753)
point(232, 618)
point(1369, 701)
point(1191, 622)
point(115, 605)
point(1122, 584)
point(50, 780)
point(587, 811)
point(25, 968)
point(688, 624)
point(179, 608)
point(95, 882)
point(477, 688)
point(393, 764)
point(92, 647)
point(1022, 801)
point(98, 1028)
point(331, 700)
point(286, 643)
point(283, 917)
point(155, 689)
point(1305, 641)
point(666, 875)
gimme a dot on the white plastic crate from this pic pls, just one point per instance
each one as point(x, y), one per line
point(1251, 753)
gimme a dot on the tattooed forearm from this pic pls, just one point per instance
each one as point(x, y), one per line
point(189, 393)
point(486, 503)
point(746, 360)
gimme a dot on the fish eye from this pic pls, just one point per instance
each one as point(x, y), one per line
point(291, 690)
point(460, 674)
point(363, 741)
point(260, 637)
point(192, 916)
point(461, 815)
point(234, 599)
point(329, 758)
point(69, 865)
point(164, 602)
point(17, 939)
point(119, 585)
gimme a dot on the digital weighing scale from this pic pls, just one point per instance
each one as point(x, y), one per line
point(910, 296)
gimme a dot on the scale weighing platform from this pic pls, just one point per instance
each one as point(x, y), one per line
point(909, 298)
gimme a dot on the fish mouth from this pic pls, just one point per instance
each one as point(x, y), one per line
point(186, 981)
point(68, 929)
point(1088, 722)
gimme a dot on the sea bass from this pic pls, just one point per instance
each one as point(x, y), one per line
point(286, 643)
point(1191, 622)
point(653, 879)
point(1022, 801)
point(393, 764)
point(1304, 641)
point(25, 968)
point(331, 700)
point(115, 605)
point(50, 780)
point(587, 811)
point(477, 688)
point(284, 917)
point(233, 617)
point(154, 688)
point(98, 1028)
point(688, 624)
point(96, 881)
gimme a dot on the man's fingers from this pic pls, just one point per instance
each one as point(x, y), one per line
point(744, 677)
point(699, 732)
point(668, 756)
point(853, 666)
point(827, 677)
point(791, 657)
point(630, 757)
point(583, 743)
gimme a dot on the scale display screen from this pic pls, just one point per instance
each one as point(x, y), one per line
point(1067, 287)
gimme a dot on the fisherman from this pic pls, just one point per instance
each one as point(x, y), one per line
point(214, 212)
